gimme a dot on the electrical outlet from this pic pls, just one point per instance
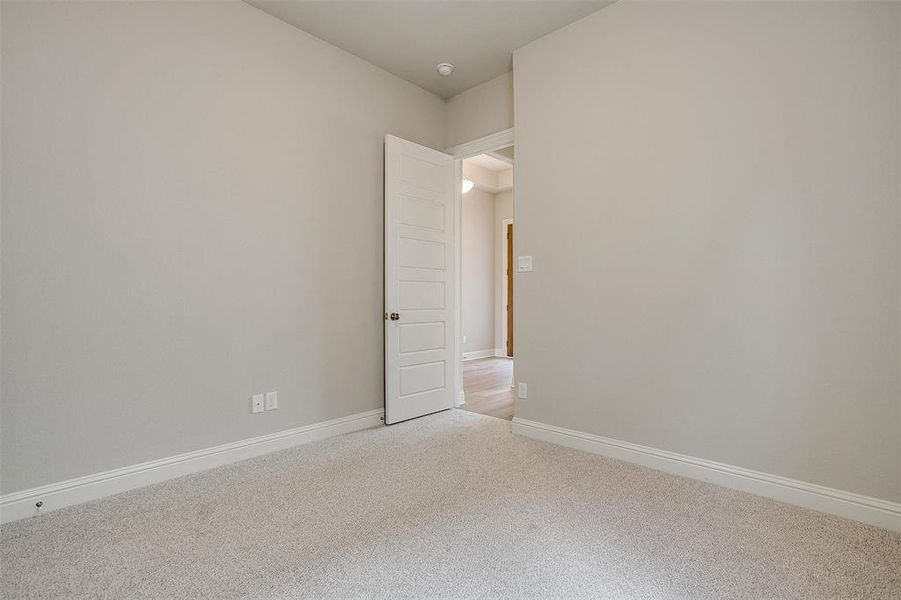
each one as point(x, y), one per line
point(256, 403)
point(271, 400)
point(522, 390)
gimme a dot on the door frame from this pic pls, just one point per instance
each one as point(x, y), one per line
point(488, 143)
point(504, 300)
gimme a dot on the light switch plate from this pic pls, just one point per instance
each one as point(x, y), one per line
point(256, 403)
point(525, 264)
point(522, 390)
point(271, 400)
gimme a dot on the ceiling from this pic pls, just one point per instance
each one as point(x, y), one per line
point(410, 37)
point(491, 172)
point(489, 162)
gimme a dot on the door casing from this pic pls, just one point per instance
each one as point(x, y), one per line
point(508, 298)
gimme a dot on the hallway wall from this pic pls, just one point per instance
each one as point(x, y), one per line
point(478, 270)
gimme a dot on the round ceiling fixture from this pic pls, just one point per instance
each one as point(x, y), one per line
point(445, 69)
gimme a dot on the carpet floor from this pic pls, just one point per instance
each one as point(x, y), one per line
point(447, 506)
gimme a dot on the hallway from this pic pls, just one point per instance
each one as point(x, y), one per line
point(488, 383)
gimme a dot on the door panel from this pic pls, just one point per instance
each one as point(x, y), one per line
point(419, 277)
point(421, 295)
point(415, 379)
point(416, 337)
point(421, 254)
point(420, 212)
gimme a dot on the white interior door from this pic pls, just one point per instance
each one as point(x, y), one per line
point(419, 280)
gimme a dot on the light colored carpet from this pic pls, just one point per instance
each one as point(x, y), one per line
point(448, 506)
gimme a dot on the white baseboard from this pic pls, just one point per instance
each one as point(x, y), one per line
point(501, 353)
point(476, 354)
point(19, 505)
point(881, 513)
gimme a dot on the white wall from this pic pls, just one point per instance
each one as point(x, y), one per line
point(478, 270)
point(503, 209)
point(710, 192)
point(192, 212)
point(480, 111)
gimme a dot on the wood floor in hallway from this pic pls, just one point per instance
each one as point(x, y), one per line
point(488, 385)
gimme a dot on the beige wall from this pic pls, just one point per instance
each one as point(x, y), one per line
point(192, 212)
point(483, 269)
point(478, 270)
point(480, 111)
point(711, 195)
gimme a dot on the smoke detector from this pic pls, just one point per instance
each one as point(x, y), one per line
point(445, 69)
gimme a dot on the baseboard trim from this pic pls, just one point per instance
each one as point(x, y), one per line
point(501, 353)
point(874, 511)
point(476, 354)
point(20, 505)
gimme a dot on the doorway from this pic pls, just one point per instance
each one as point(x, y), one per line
point(487, 284)
point(424, 341)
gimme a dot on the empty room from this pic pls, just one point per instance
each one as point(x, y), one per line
point(450, 299)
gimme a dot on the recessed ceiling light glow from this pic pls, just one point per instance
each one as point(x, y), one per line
point(467, 185)
point(445, 69)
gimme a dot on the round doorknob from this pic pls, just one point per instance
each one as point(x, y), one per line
point(395, 316)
